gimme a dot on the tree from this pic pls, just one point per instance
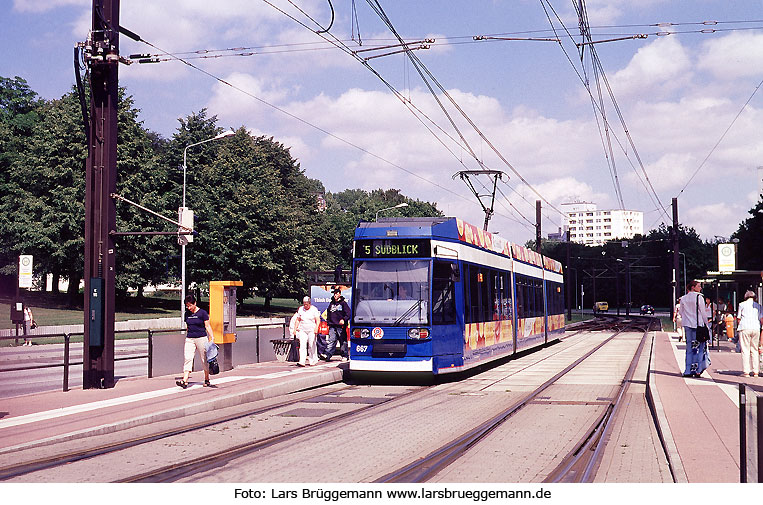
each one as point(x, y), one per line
point(19, 108)
point(749, 233)
point(646, 258)
point(254, 217)
point(346, 208)
point(141, 178)
point(55, 168)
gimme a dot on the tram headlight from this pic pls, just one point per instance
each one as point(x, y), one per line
point(418, 333)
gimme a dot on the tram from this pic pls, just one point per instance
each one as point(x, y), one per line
point(439, 295)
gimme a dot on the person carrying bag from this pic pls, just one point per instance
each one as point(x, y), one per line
point(696, 331)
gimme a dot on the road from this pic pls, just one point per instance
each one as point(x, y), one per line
point(22, 382)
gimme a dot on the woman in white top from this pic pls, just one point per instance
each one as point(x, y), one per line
point(308, 320)
point(677, 320)
point(693, 313)
point(750, 316)
point(28, 320)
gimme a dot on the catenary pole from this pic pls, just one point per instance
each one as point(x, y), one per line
point(675, 257)
point(100, 208)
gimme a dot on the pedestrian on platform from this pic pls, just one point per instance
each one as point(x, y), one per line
point(308, 320)
point(731, 335)
point(198, 333)
point(693, 314)
point(337, 315)
point(750, 316)
point(29, 324)
point(677, 320)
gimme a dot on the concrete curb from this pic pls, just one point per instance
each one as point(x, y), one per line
point(285, 386)
point(663, 428)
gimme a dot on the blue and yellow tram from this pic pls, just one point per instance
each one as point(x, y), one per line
point(439, 295)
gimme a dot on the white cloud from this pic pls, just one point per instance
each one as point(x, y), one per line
point(715, 219)
point(656, 69)
point(242, 98)
point(734, 56)
point(46, 5)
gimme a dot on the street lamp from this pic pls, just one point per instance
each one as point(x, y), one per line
point(182, 239)
point(398, 206)
point(684, 255)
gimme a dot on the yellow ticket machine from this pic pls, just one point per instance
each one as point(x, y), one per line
point(222, 318)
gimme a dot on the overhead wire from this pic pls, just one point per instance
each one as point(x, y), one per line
point(304, 121)
point(723, 136)
point(606, 140)
point(421, 67)
point(409, 104)
point(459, 39)
point(645, 180)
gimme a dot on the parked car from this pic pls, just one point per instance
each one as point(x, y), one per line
point(600, 307)
point(647, 309)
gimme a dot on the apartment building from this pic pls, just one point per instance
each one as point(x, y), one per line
point(591, 226)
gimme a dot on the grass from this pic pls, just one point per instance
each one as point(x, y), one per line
point(50, 309)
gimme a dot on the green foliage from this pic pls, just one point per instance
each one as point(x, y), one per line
point(346, 209)
point(603, 270)
point(19, 108)
point(257, 213)
point(749, 233)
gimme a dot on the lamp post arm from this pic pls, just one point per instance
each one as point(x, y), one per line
point(185, 152)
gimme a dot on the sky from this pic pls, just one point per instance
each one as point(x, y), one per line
point(685, 120)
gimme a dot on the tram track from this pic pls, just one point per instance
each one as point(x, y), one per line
point(234, 456)
point(72, 456)
point(580, 465)
point(430, 465)
point(176, 470)
point(207, 464)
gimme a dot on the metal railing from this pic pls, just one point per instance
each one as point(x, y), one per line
point(149, 354)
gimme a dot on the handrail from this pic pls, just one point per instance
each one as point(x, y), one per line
point(150, 334)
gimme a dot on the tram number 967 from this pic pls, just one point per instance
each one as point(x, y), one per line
point(361, 348)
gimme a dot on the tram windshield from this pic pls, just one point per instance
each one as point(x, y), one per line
point(391, 292)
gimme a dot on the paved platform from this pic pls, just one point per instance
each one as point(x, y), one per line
point(43, 418)
point(698, 417)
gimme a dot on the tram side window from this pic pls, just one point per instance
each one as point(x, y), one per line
point(529, 296)
point(506, 298)
point(444, 278)
point(484, 298)
point(538, 298)
point(475, 286)
point(555, 298)
point(487, 294)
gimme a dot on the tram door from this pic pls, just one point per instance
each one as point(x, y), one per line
point(447, 322)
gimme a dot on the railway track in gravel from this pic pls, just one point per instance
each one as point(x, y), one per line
point(579, 464)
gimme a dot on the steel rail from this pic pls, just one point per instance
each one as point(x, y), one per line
point(581, 463)
point(19, 469)
point(172, 473)
point(428, 466)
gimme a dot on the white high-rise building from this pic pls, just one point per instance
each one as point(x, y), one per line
point(590, 226)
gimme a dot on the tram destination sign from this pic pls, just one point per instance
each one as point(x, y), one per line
point(396, 248)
